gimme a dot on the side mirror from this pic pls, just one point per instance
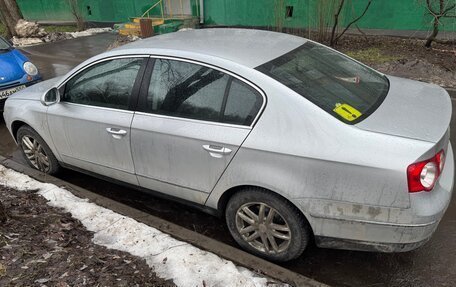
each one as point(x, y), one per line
point(50, 97)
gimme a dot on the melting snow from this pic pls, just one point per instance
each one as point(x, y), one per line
point(172, 259)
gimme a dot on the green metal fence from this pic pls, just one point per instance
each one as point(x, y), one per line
point(383, 14)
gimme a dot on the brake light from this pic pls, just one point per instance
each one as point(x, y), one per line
point(423, 175)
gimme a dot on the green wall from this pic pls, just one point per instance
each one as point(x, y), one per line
point(45, 10)
point(101, 10)
point(382, 14)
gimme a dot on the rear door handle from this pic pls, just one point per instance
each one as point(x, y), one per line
point(217, 151)
point(116, 133)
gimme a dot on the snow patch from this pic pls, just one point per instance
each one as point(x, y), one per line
point(89, 32)
point(34, 39)
point(23, 42)
point(172, 259)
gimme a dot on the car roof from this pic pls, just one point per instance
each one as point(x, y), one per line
point(247, 47)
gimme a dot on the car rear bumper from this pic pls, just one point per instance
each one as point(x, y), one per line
point(413, 228)
point(348, 244)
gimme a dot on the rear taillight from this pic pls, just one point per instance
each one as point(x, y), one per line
point(423, 175)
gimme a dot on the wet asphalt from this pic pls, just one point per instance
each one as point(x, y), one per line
point(434, 264)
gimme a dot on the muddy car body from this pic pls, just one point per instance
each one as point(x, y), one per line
point(301, 142)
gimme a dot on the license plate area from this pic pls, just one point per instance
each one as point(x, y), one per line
point(8, 92)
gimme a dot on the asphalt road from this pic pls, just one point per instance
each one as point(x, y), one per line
point(432, 265)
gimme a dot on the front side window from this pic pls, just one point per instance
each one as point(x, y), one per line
point(186, 90)
point(107, 84)
point(340, 86)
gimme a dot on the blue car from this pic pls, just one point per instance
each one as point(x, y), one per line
point(16, 71)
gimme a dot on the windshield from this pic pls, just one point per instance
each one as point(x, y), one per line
point(340, 86)
point(4, 45)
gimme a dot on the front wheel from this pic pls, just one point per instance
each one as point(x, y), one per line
point(36, 151)
point(267, 225)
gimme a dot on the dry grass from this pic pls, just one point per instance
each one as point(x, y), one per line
point(372, 55)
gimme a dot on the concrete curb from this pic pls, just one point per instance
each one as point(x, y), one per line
point(223, 250)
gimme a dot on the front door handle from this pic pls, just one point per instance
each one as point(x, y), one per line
point(217, 151)
point(116, 133)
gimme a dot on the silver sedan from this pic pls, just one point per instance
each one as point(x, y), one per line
point(288, 140)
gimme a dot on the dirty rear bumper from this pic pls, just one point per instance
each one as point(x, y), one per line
point(359, 245)
point(379, 237)
point(425, 212)
point(337, 243)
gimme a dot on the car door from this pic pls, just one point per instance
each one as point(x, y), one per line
point(90, 126)
point(191, 121)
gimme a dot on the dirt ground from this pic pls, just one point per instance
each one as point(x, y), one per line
point(404, 57)
point(43, 246)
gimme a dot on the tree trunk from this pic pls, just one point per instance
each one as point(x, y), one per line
point(10, 14)
point(336, 22)
point(77, 14)
point(3, 21)
point(7, 18)
point(434, 34)
point(14, 10)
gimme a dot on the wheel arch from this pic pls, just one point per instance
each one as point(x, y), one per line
point(16, 125)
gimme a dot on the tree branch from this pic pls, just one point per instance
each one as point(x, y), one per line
point(354, 21)
point(336, 22)
point(429, 7)
point(448, 9)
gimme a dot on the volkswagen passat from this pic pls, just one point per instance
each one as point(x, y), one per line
point(287, 139)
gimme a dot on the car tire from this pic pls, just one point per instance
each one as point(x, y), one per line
point(35, 151)
point(285, 225)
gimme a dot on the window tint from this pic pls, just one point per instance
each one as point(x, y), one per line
point(242, 105)
point(337, 84)
point(186, 90)
point(107, 84)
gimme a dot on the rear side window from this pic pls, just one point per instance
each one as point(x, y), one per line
point(107, 84)
point(340, 86)
point(186, 90)
point(189, 90)
point(242, 105)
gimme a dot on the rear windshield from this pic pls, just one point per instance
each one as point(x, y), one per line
point(340, 86)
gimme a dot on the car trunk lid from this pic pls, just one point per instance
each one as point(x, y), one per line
point(411, 109)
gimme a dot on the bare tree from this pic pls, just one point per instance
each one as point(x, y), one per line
point(324, 15)
point(9, 15)
point(334, 36)
point(441, 11)
point(77, 14)
point(14, 9)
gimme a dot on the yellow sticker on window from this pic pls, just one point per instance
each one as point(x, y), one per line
point(347, 112)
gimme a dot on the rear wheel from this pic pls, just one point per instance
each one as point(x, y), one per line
point(267, 225)
point(36, 151)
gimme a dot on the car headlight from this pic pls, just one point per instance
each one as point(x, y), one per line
point(30, 69)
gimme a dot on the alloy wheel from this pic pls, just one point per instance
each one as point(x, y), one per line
point(35, 153)
point(263, 227)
